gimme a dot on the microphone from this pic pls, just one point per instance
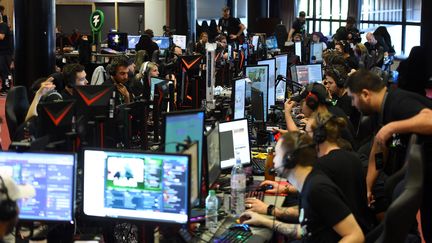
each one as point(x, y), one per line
point(273, 171)
point(281, 77)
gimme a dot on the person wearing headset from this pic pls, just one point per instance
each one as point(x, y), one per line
point(323, 217)
point(119, 77)
point(10, 193)
point(73, 75)
point(335, 78)
point(140, 85)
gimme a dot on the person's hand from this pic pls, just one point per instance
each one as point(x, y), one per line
point(289, 104)
point(352, 72)
point(123, 90)
point(276, 187)
point(46, 86)
point(253, 218)
point(370, 198)
point(256, 205)
point(383, 135)
point(278, 130)
point(300, 116)
point(233, 37)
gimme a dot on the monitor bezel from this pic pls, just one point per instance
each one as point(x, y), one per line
point(74, 180)
point(268, 79)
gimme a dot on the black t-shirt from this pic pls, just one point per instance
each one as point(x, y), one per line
point(401, 105)
point(6, 43)
point(345, 104)
point(298, 26)
point(345, 169)
point(322, 206)
point(348, 132)
point(230, 25)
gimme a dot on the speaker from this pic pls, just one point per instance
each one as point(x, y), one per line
point(8, 208)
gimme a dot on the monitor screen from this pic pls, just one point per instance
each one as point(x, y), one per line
point(239, 98)
point(255, 40)
point(153, 82)
point(307, 74)
point(180, 40)
point(316, 53)
point(53, 177)
point(272, 80)
point(136, 185)
point(271, 42)
point(132, 41)
point(257, 101)
point(181, 126)
point(162, 41)
point(118, 41)
point(293, 72)
point(234, 141)
point(213, 155)
point(259, 75)
point(298, 50)
point(281, 69)
point(194, 182)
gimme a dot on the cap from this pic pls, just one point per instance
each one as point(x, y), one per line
point(13, 190)
point(316, 88)
point(212, 193)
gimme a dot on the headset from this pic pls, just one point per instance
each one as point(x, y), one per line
point(339, 79)
point(320, 133)
point(117, 62)
point(8, 208)
point(290, 158)
point(312, 100)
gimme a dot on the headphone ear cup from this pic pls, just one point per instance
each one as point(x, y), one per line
point(289, 162)
point(8, 210)
point(319, 135)
point(312, 101)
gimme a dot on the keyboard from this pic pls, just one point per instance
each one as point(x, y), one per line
point(233, 236)
point(258, 166)
point(255, 194)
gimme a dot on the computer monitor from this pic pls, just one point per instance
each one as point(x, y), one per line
point(259, 75)
point(140, 185)
point(93, 100)
point(181, 126)
point(53, 177)
point(195, 183)
point(257, 101)
point(213, 155)
point(271, 42)
point(272, 80)
point(316, 53)
point(132, 41)
point(255, 40)
point(153, 82)
point(298, 50)
point(307, 74)
point(239, 98)
point(162, 41)
point(281, 69)
point(234, 142)
point(293, 72)
point(118, 41)
point(180, 40)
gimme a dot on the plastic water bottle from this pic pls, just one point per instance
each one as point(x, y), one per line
point(211, 211)
point(238, 188)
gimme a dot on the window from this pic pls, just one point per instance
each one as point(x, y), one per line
point(402, 24)
point(325, 16)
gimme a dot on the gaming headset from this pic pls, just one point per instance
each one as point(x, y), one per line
point(290, 158)
point(8, 208)
point(312, 100)
point(117, 62)
point(339, 78)
point(320, 133)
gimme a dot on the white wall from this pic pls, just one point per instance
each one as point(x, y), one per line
point(155, 15)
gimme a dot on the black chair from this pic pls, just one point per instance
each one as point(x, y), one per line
point(17, 105)
point(401, 214)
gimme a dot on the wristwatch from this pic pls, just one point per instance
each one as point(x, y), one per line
point(270, 209)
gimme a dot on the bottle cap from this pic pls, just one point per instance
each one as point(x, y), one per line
point(212, 193)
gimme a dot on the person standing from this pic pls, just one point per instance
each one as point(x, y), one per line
point(231, 27)
point(298, 26)
point(5, 54)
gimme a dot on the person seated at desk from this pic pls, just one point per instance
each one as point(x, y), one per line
point(140, 85)
point(73, 75)
point(323, 217)
point(335, 78)
point(145, 43)
point(119, 77)
point(200, 46)
point(348, 54)
point(318, 37)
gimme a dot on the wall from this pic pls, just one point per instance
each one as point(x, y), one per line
point(155, 15)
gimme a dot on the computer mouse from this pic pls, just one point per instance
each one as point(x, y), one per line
point(264, 188)
point(242, 227)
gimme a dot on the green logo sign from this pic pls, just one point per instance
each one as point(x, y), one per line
point(97, 20)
